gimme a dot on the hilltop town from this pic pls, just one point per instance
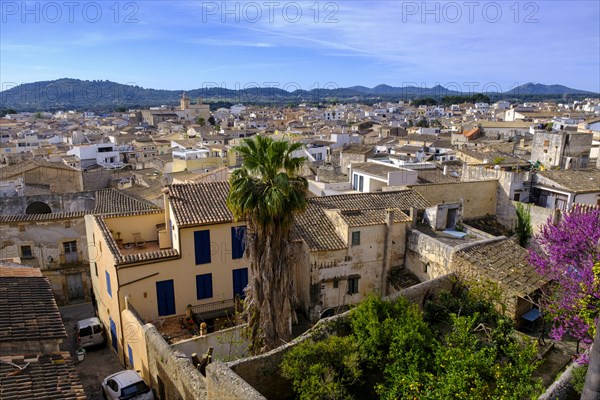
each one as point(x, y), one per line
point(128, 210)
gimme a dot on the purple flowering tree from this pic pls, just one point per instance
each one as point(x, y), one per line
point(570, 258)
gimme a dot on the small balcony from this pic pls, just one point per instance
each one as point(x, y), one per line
point(200, 320)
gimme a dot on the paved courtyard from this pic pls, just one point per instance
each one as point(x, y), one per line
point(98, 363)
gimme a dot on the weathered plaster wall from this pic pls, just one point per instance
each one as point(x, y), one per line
point(68, 202)
point(172, 373)
point(510, 183)
point(228, 344)
point(427, 257)
point(46, 239)
point(224, 384)
point(478, 198)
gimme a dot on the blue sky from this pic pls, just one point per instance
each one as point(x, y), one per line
point(185, 45)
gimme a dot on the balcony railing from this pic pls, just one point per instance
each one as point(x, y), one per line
point(216, 309)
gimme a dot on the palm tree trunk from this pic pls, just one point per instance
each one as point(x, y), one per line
point(270, 298)
point(591, 388)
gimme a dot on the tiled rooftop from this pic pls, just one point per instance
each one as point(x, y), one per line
point(28, 310)
point(370, 217)
point(318, 232)
point(114, 201)
point(205, 203)
point(43, 377)
point(200, 203)
point(503, 262)
point(492, 156)
point(577, 181)
point(355, 148)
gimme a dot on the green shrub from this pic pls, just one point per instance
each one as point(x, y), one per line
point(578, 378)
point(323, 370)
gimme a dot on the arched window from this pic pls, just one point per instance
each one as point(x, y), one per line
point(38, 207)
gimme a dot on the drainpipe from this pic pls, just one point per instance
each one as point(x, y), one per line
point(387, 248)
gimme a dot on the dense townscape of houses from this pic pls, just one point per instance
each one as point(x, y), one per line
point(128, 210)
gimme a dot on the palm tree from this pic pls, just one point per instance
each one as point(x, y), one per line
point(267, 192)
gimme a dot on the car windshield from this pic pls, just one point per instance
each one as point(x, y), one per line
point(135, 389)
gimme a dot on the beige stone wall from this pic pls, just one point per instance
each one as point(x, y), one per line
point(427, 257)
point(478, 198)
point(60, 180)
point(172, 374)
point(133, 336)
point(45, 239)
point(330, 270)
point(224, 384)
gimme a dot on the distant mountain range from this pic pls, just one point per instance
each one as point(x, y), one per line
point(106, 95)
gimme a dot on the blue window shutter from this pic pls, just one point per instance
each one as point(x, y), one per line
point(238, 242)
point(165, 297)
point(204, 286)
point(108, 288)
point(113, 334)
point(130, 356)
point(202, 246)
point(240, 281)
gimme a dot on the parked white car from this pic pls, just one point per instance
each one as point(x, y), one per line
point(89, 332)
point(126, 385)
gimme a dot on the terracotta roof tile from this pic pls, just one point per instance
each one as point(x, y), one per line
point(318, 232)
point(370, 217)
point(205, 203)
point(113, 201)
point(576, 181)
point(200, 203)
point(43, 377)
point(28, 310)
point(503, 262)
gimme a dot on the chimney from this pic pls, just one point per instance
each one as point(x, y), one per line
point(413, 216)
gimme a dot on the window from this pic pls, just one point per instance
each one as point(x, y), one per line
point(336, 284)
point(238, 242)
point(204, 286)
point(130, 353)
point(202, 247)
point(96, 269)
point(113, 386)
point(70, 251)
point(240, 281)
point(108, 288)
point(353, 285)
point(26, 252)
point(517, 197)
point(355, 238)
